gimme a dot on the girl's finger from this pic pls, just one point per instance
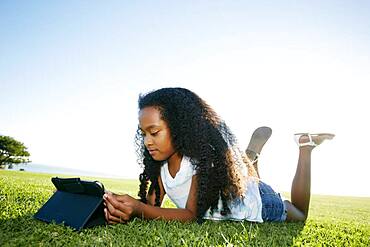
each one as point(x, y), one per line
point(115, 204)
point(109, 206)
point(106, 214)
point(116, 214)
point(112, 219)
point(111, 222)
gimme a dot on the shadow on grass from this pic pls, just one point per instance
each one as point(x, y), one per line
point(25, 231)
point(276, 234)
point(252, 234)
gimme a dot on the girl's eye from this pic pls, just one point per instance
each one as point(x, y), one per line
point(154, 133)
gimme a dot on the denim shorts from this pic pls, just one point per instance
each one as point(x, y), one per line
point(273, 207)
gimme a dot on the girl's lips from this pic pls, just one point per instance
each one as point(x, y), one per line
point(152, 151)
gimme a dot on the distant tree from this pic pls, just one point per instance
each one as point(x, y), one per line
point(12, 152)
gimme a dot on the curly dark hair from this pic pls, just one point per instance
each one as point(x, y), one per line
point(198, 133)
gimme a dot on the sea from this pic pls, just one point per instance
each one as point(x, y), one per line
point(41, 168)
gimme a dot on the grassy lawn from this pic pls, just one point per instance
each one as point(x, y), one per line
point(333, 221)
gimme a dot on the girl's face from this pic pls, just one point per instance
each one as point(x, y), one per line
point(157, 138)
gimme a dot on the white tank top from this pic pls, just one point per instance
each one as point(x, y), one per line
point(249, 207)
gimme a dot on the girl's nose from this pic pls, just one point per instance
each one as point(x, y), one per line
point(148, 141)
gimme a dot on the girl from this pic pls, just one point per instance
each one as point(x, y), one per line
point(190, 154)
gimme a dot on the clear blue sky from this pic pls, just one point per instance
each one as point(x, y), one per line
point(71, 72)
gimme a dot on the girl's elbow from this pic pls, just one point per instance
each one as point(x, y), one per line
point(192, 216)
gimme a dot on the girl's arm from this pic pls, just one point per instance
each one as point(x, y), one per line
point(187, 214)
point(122, 208)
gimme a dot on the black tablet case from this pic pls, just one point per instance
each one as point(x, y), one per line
point(76, 203)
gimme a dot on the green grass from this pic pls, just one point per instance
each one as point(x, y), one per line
point(333, 221)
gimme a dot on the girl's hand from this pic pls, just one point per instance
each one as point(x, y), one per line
point(119, 208)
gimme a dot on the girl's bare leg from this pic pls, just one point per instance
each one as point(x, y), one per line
point(255, 165)
point(301, 186)
point(254, 159)
point(256, 143)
